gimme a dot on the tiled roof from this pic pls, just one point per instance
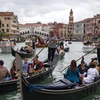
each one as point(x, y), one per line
point(6, 13)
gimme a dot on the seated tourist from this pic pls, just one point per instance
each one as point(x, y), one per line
point(83, 68)
point(28, 49)
point(13, 71)
point(97, 67)
point(4, 73)
point(35, 66)
point(91, 74)
point(72, 73)
point(25, 65)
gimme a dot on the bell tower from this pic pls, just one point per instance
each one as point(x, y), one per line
point(71, 25)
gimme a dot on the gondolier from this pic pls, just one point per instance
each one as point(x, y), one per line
point(51, 46)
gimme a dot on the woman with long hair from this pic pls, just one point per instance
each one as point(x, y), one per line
point(13, 71)
point(72, 73)
point(36, 66)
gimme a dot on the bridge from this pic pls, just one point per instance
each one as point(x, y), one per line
point(43, 36)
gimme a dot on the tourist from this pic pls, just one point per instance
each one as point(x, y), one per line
point(4, 73)
point(36, 66)
point(25, 65)
point(13, 71)
point(51, 46)
point(72, 73)
point(96, 63)
point(83, 68)
point(91, 74)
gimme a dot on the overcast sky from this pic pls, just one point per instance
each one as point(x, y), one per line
point(45, 11)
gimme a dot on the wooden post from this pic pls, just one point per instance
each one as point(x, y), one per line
point(19, 70)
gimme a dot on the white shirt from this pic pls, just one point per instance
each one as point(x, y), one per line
point(91, 74)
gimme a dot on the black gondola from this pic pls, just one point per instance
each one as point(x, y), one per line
point(69, 42)
point(66, 49)
point(9, 86)
point(60, 90)
point(23, 54)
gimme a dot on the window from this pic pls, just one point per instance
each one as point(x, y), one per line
point(99, 21)
point(77, 25)
point(8, 18)
point(7, 30)
point(2, 25)
point(5, 18)
point(3, 30)
point(7, 25)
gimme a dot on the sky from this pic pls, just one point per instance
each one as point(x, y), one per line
point(45, 11)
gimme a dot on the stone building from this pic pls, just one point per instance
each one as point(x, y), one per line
point(9, 22)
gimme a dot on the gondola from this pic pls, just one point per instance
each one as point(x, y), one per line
point(8, 86)
point(87, 48)
point(41, 45)
point(60, 90)
point(69, 42)
point(66, 49)
point(22, 53)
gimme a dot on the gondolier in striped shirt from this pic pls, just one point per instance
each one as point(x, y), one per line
point(51, 45)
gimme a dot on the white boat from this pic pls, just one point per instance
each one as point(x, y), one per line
point(6, 47)
point(87, 48)
point(69, 42)
point(28, 42)
point(66, 48)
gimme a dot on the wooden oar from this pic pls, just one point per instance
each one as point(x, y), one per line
point(82, 56)
point(38, 52)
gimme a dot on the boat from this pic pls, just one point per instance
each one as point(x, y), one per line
point(6, 47)
point(87, 48)
point(22, 53)
point(61, 54)
point(9, 86)
point(66, 48)
point(59, 90)
point(38, 45)
point(69, 42)
point(28, 42)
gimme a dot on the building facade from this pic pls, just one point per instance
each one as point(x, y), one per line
point(79, 30)
point(9, 22)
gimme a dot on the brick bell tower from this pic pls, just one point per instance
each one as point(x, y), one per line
point(71, 25)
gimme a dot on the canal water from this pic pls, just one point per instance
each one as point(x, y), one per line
point(75, 52)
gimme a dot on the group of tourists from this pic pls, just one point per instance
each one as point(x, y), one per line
point(26, 49)
point(28, 68)
point(83, 73)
